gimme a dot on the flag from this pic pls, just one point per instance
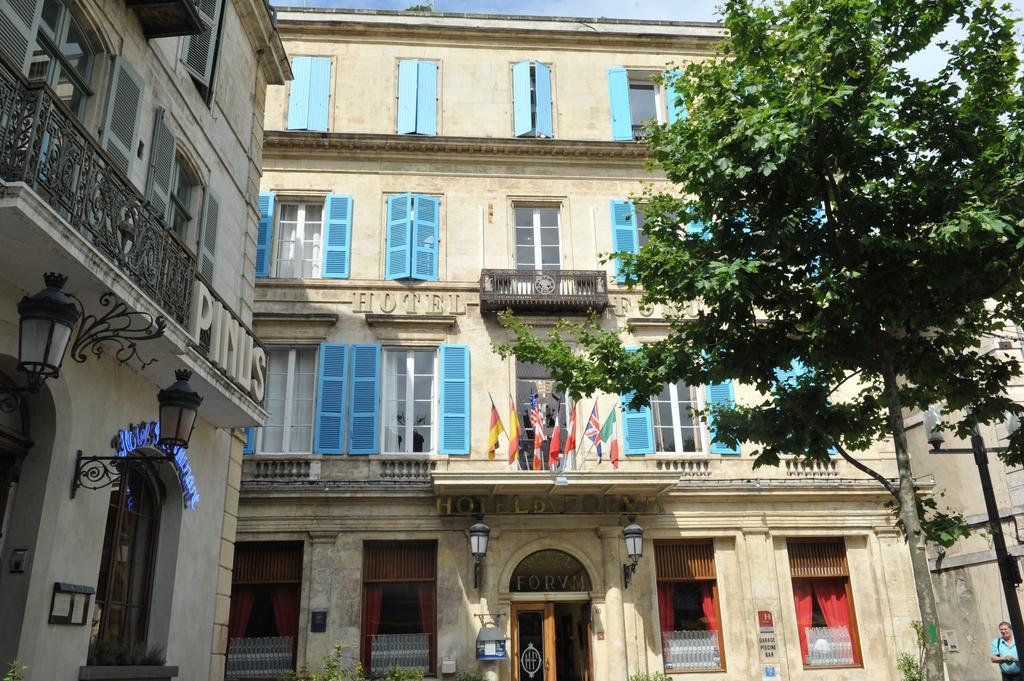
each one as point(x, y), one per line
point(514, 430)
point(496, 429)
point(593, 431)
point(538, 432)
point(570, 439)
point(609, 434)
point(554, 447)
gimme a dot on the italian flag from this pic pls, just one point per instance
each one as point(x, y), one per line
point(609, 433)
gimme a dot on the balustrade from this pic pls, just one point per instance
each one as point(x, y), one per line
point(544, 290)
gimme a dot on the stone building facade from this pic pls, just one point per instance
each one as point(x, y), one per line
point(422, 172)
point(131, 137)
point(968, 588)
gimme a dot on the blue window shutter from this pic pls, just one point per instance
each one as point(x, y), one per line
point(337, 237)
point(426, 98)
point(399, 237)
point(407, 79)
point(454, 407)
point(676, 101)
point(522, 113)
point(543, 87)
point(250, 441)
point(330, 400)
point(298, 94)
point(624, 233)
point(426, 211)
point(364, 400)
point(637, 424)
point(264, 234)
point(319, 93)
point(720, 394)
point(618, 93)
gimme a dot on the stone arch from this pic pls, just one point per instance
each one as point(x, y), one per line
point(545, 543)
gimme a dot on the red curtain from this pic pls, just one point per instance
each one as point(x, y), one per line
point(707, 602)
point(831, 597)
point(428, 616)
point(666, 607)
point(373, 595)
point(241, 607)
point(803, 599)
point(285, 600)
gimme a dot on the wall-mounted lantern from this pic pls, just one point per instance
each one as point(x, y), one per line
point(479, 534)
point(633, 535)
point(179, 405)
point(47, 320)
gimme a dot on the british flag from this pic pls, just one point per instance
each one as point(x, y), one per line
point(593, 431)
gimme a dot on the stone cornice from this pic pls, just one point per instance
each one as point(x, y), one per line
point(282, 144)
point(578, 34)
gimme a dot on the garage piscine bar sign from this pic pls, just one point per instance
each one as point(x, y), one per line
point(540, 505)
point(133, 437)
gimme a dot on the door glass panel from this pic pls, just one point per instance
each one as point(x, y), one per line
point(531, 645)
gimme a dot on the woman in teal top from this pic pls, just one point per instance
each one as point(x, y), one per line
point(1004, 653)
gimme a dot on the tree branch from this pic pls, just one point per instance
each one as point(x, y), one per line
point(866, 469)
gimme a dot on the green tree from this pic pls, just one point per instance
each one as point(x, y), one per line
point(843, 215)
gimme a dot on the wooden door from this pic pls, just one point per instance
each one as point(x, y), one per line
point(533, 642)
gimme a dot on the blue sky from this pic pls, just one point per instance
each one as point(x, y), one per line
point(924, 64)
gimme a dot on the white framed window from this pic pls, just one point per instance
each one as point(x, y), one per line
point(298, 241)
point(538, 238)
point(646, 103)
point(409, 397)
point(63, 56)
point(183, 210)
point(291, 393)
point(677, 430)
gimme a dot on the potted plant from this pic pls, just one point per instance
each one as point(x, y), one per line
point(109, 661)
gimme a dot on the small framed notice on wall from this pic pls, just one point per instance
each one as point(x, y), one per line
point(70, 603)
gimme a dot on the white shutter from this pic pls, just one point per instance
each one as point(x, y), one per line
point(121, 123)
point(19, 21)
point(208, 240)
point(161, 165)
point(197, 50)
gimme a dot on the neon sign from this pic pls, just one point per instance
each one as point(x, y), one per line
point(133, 437)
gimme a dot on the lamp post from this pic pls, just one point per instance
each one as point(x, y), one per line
point(179, 405)
point(633, 535)
point(479, 534)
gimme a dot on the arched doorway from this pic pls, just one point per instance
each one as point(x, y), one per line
point(551, 618)
point(14, 445)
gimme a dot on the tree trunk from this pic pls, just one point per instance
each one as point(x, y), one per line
point(912, 526)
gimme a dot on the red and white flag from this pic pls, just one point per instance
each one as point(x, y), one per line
point(554, 447)
point(570, 441)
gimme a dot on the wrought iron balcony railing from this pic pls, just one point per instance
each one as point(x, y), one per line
point(544, 290)
point(45, 146)
point(641, 133)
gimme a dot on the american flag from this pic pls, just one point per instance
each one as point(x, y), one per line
point(593, 431)
point(535, 419)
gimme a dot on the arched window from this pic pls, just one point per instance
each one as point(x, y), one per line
point(125, 583)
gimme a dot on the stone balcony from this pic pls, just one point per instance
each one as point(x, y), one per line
point(566, 291)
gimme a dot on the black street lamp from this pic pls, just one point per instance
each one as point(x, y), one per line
point(633, 534)
point(47, 319)
point(479, 534)
point(179, 405)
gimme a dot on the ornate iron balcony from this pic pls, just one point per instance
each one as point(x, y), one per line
point(578, 291)
point(45, 146)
